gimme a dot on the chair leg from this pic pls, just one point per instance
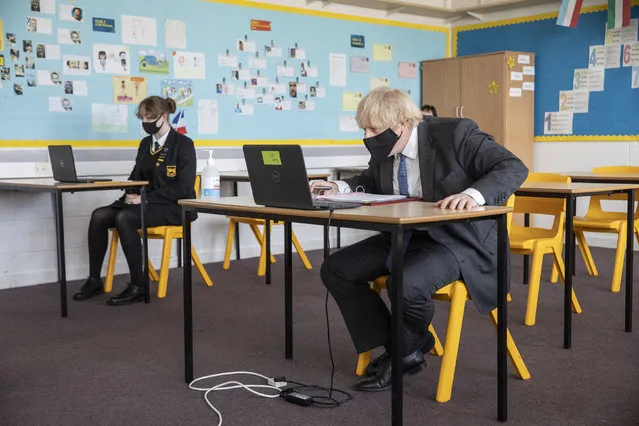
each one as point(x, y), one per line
point(166, 263)
point(554, 275)
point(451, 346)
point(533, 287)
point(113, 251)
point(261, 264)
point(229, 244)
point(200, 267)
point(437, 350)
point(586, 254)
point(153, 274)
point(300, 252)
point(362, 362)
point(558, 261)
point(620, 254)
point(513, 352)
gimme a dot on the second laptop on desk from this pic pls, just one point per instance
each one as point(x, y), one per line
point(278, 179)
point(63, 166)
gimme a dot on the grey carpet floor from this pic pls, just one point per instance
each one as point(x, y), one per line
point(124, 366)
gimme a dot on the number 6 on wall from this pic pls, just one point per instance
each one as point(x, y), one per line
point(627, 54)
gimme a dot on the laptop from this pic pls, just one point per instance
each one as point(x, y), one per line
point(63, 166)
point(278, 178)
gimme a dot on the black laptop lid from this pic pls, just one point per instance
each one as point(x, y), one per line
point(278, 176)
point(62, 163)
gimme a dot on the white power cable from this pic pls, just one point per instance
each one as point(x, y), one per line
point(233, 385)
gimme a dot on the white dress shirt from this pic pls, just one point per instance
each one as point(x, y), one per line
point(162, 140)
point(411, 151)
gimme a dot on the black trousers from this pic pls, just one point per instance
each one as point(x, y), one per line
point(126, 219)
point(428, 266)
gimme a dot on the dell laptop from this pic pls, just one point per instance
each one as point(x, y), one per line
point(278, 178)
point(63, 166)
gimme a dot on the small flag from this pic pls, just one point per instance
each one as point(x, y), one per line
point(569, 13)
point(618, 13)
point(178, 123)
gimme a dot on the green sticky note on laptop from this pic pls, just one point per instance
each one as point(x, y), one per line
point(271, 158)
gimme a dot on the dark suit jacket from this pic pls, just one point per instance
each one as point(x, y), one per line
point(174, 177)
point(453, 156)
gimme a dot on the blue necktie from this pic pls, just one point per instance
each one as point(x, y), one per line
point(402, 182)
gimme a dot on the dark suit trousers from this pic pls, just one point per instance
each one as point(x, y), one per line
point(428, 266)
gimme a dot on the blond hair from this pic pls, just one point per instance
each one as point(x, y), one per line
point(385, 108)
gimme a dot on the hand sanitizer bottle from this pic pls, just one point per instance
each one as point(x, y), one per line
point(211, 179)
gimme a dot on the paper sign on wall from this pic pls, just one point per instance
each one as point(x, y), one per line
point(153, 62)
point(175, 34)
point(104, 25)
point(189, 65)
point(350, 100)
point(76, 65)
point(360, 64)
point(358, 41)
point(630, 54)
point(207, 116)
point(129, 90)
point(529, 70)
point(528, 86)
point(623, 34)
point(348, 123)
point(574, 101)
point(139, 30)
point(178, 90)
point(109, 118)
point(515, 92)
point(612, 56)
point(382, 52)
point(407, 70)
point(558, 123)
point(596, 57)
point(523, 59)
point(337, 67)
point(635, 78)
point(516, 76)
point(589, 79)
point(111, 59)
point(379, 82)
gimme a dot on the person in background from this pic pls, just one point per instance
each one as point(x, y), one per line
point(428, 110)
point(450, 162)
point(167, 160)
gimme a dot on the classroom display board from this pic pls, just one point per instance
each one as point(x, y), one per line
point(74, 71)
point(586, 78)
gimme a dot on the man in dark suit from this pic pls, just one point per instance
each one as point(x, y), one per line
point(447, 161)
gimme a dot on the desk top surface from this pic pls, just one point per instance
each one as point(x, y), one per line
point(603, 177)
point(49, 184)
point(413, 212)
point(573, 188)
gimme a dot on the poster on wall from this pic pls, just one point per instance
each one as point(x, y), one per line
point(39, 25)
point(60, 104)
point(139, 30)
point(106, 118)
point(382, 52)
point(337, 69)
point(129, 90)
point(153, 62)
point(47, 51)
point(407, 70)
point(379, 82)
point(207, 116)
point(360, 64)
point(190, 65)
point(76, 88)
point(175, 34)
point(76, 65)
point(558, 123)
point(111, 59)
point(43, 6)
point(178, 90)
point(104, 25)
point(69, 12)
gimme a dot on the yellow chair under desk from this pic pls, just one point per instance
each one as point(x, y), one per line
point(540, 241)
point(601, 221)
point(457, 294)
point(259, 236)
point(168, 234)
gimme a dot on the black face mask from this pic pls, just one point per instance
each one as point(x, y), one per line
point(380, 146)
point(151, 128)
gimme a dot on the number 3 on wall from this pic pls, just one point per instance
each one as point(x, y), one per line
point(627, 53)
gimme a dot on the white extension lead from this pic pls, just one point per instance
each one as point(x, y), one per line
point(236, 385)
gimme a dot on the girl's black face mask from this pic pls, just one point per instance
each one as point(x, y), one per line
point(380, 146)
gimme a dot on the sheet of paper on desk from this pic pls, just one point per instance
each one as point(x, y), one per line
point(361, 198)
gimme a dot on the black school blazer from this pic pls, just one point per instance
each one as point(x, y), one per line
point(174, 174)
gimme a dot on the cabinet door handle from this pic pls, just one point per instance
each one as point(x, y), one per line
point(462, 112)
point(457, 111)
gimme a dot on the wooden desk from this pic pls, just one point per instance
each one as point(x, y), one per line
point(591, 177)
point(242, 176)
point(393, 218)
point(570, 192)
point(57, 189)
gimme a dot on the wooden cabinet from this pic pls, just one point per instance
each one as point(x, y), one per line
point(488, 89)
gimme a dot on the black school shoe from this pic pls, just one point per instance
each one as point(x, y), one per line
point(427, 345)
point(91, 288)
point(382, 380)
point(131, 294)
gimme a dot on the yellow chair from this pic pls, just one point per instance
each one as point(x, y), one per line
point(457, 294)
point(539, 241)
point(168, 234)
point(254, 225)
point(599, 220)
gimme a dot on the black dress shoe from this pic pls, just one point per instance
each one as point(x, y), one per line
point(92, 287)
point(428, 343)
point(383, 379)
point(131, 294)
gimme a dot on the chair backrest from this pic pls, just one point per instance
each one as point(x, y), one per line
point(197, 186)
point(547, 206)
point(509, 217)
point(595, 208)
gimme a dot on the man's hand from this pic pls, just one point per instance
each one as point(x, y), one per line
point(321, 187)
point(132, 199)
point(457, 202)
